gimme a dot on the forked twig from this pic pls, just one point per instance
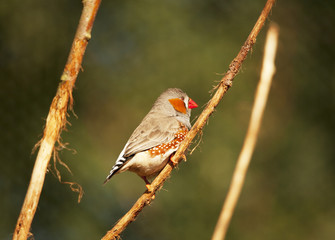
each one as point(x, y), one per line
point(244, 158)
point(221, 89)
point(56, 120)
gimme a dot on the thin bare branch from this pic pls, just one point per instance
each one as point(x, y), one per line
point(56, 120)
point(221, 89)
point(243, 161)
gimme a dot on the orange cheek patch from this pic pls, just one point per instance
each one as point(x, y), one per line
point(178, 104)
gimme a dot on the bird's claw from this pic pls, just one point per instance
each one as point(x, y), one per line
point(149, 187)
point(184, 157)
point(174, 162)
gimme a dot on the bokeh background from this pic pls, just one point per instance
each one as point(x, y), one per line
point(137, 50)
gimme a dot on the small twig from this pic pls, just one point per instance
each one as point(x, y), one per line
point(243, 161)
point(56, 120)
point(221, 89)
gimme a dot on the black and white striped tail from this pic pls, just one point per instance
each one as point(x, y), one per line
point(118, 165)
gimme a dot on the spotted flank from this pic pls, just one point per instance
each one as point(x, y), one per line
point(163, 148)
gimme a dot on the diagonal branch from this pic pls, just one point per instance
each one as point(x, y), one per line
point(56, 120)
point(244, 158)
point(221, 89)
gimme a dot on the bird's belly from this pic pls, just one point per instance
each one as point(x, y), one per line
point(146, 165)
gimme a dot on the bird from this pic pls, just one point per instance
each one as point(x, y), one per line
point(158, 136)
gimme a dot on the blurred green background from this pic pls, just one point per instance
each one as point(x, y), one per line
point(137, 50)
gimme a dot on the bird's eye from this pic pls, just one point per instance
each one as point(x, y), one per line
point(182, 98)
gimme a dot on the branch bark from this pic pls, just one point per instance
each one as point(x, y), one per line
point(221, 89)
point(56, 120)
point(244, 158)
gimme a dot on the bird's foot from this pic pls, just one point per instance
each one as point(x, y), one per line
point(149, 187)
point(184, 157)
point(147, 184)
point(174, 162)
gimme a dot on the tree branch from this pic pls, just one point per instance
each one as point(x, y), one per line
point(56, 120)
point(221, 89)
point(243, 161)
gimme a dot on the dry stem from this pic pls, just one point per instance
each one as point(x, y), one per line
point(56, 120)
point(243, 161)
point(221, 89)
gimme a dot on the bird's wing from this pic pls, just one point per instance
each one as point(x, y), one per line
point(150, 133)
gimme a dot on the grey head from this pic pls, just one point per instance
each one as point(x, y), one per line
point(174, 103)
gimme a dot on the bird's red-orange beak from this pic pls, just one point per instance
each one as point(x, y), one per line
point(192, 104)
